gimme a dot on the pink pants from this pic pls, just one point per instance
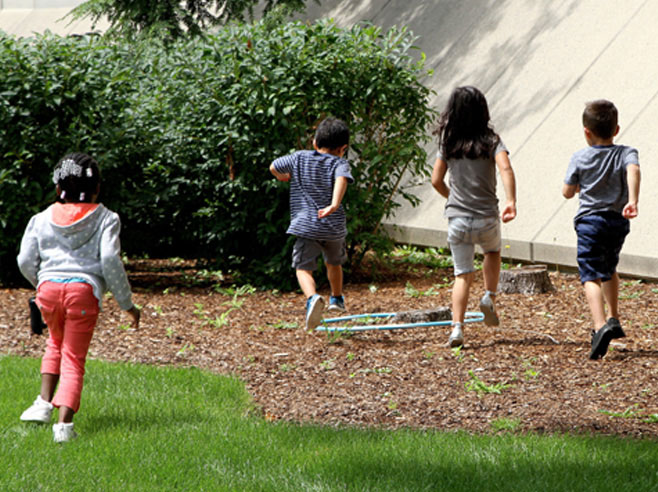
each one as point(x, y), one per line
point(70, 310)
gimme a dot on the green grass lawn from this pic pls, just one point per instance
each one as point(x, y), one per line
point(147, 428)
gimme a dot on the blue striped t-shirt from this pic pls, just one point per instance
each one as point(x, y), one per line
point(312, 178)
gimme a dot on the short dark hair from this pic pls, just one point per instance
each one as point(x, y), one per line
point(332, 133)
point(78, 176)
point(600, 117)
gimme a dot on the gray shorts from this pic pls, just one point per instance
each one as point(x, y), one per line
point(464, 233)
point(306, 251)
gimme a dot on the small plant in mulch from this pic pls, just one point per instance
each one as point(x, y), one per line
point(632, 412)
point(286, 367)
point(480, 387)
point(411, 291)
point(285, 325)
point(530, 372)
point(185, 350)
point(457, 352)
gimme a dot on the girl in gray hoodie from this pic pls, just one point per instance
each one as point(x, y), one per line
point(71, 253)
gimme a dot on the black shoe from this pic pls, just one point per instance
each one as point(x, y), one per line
point(617, 332)
point(600, 341)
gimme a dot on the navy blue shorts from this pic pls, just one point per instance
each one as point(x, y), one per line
point(600, 238)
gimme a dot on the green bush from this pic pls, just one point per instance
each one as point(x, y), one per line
point(185, 133)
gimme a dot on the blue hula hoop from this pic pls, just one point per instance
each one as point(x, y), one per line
point(471, 317)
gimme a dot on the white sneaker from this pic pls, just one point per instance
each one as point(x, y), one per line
point(456, 337)
point(40, 411)
point(489, 311)
point(63, 432)
point(314, 308)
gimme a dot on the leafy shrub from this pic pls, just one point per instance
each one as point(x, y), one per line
point(185, 133)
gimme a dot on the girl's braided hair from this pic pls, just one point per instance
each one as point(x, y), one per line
point(78, 177)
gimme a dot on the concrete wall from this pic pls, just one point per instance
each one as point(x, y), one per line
point(25, 17)
point(537, 63)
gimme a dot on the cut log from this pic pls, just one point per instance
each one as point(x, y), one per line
point(530, 279)
point(422, 316)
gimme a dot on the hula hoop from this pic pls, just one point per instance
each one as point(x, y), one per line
point(471, 317)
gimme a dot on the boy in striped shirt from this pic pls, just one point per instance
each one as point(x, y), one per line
point(318, 180)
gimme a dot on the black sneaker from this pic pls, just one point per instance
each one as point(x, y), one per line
point(617, 332)
point(600, 341)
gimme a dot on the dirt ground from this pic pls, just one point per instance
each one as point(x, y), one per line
point(532, 373)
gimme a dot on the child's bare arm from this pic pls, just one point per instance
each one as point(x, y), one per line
point(509, 185)
point(569, 191)
point(340, 186)
point(633, 179)
point(438, 177)
point(278, 175)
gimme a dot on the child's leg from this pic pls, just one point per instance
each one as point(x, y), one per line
point(335, 277)
point(490, 240)
point(81, 316)
point(48, 301)
point(460, 290)
point(462, 249)
point(491, 271)
point(610, 290)
point(594, 295)
point(306, 282)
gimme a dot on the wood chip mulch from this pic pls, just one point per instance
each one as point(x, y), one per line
point(530, 374)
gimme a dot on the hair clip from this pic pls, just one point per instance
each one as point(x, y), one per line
point(67, 167)
point(62, 195)
point(90, 172)
point(82, 196)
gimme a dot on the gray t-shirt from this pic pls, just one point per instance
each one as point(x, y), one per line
point(472, 186)
point(600, 170)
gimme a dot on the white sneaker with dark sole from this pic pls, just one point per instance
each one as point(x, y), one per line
point(456, 337)
point(314, 308)
point(40, 412)
point(489, 311)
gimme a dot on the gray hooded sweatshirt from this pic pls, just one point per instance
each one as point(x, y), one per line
point(88, 249)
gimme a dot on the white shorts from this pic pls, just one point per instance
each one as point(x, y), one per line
point(465, 232)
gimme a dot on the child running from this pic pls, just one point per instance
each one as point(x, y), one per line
point(70, 252)
point(471, 150)
point(607, 178)
point(318, 181)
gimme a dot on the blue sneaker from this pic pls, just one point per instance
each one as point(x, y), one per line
point(314, 308)
point(336, 303)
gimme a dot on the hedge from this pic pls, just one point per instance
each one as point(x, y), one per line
point(185, 133)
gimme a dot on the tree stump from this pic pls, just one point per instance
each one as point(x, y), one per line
point(530, 279)
point(423, 315)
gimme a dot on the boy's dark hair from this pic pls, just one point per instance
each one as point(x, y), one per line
point(600, 117)
point(464, 130)
point(332, 133)
point(78, 176)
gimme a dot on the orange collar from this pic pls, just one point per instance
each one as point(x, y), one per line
point(65, 214)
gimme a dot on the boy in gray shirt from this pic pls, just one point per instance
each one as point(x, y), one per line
point(607, 178)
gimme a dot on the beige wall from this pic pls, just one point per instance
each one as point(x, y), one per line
point(25, 17)
point(538, 62)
